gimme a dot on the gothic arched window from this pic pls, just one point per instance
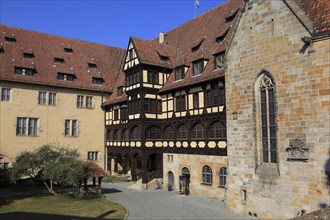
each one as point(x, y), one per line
point(268, 123)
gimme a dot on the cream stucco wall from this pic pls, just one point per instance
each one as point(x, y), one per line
point(24, 103)
point(176, 162)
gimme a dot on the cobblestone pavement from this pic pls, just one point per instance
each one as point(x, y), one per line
point(161, 204)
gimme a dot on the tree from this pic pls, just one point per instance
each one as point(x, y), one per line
point(51, 164)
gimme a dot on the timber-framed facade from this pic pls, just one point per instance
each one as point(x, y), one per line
point(169, 104)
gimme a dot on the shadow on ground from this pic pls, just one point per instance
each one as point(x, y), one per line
point(40, 216)
point(111, 190)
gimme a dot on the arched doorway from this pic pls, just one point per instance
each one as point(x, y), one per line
point(170, 176)
point(186, 173)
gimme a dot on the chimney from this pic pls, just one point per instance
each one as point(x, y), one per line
point(161, 37)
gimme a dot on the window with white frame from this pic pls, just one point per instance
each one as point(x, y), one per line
point(52, 98)
point(80, 101)
point(71, 128)
point(42, 98)
point(207, 175)
point(89, 101)
point(27, 126)
point(5, 94)
point(93, 155)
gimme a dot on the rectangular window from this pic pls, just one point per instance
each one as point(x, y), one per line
point(195, 101)
point(180, 103)
point(28, 55)
point(5, 94)
point(116, 114)
point(68, 50)
point(33, 126)
point(42, 98)
point(24, 71)
point(52, 98)
point(67, 128)
point(179, 73)
point(89, 101)
point(120, 91)
point(80, 101)
point(97, 80)
point(153, 77)
point(74, 128)
point(66, 76)
point(21, 126)
point(219, 60)
point(71, 128)
point(92, 65)
point(146, 105)
point(59, 60)
point(208, 98)
point(27, 126)
point(198, 67)
point(93, 155)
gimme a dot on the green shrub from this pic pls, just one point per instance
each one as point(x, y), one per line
point(114, 179)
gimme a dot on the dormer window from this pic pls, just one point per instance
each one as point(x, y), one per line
point(219, 60)
point(28, 55)
point(231, 17)
point(162, 55)
point(66, 76)
point(179, 73)
point(197, 45)
point(10, 39)
point(198, 67)
point(24, 71)
point(97, 80)
point(68, 50)
point(92, 65)
point(120, 91)
point(220, 38)
point(59, 60)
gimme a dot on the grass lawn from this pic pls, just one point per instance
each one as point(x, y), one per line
point(45, 206)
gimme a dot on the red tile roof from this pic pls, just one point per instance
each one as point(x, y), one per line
point(202, 32)
point(150, 52)
point(318, 12)
point(46, 47)
point(114, 98)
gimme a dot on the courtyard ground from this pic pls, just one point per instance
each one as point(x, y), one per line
point(161, 204)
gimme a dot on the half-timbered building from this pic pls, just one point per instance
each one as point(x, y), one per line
point(167, 116)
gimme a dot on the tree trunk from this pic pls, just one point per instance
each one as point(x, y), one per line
point(50, 188)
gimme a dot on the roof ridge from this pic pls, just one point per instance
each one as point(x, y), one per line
point(57, 36)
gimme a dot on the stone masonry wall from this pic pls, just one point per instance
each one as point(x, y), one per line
point(269, 38)
point(175, 162)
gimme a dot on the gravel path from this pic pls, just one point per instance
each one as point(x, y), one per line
point(160, 204)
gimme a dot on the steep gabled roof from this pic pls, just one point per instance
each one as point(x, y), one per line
point(201, 38)
point(318, 11)
point(115, 98)
point(153, 53)
point(75, 55)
